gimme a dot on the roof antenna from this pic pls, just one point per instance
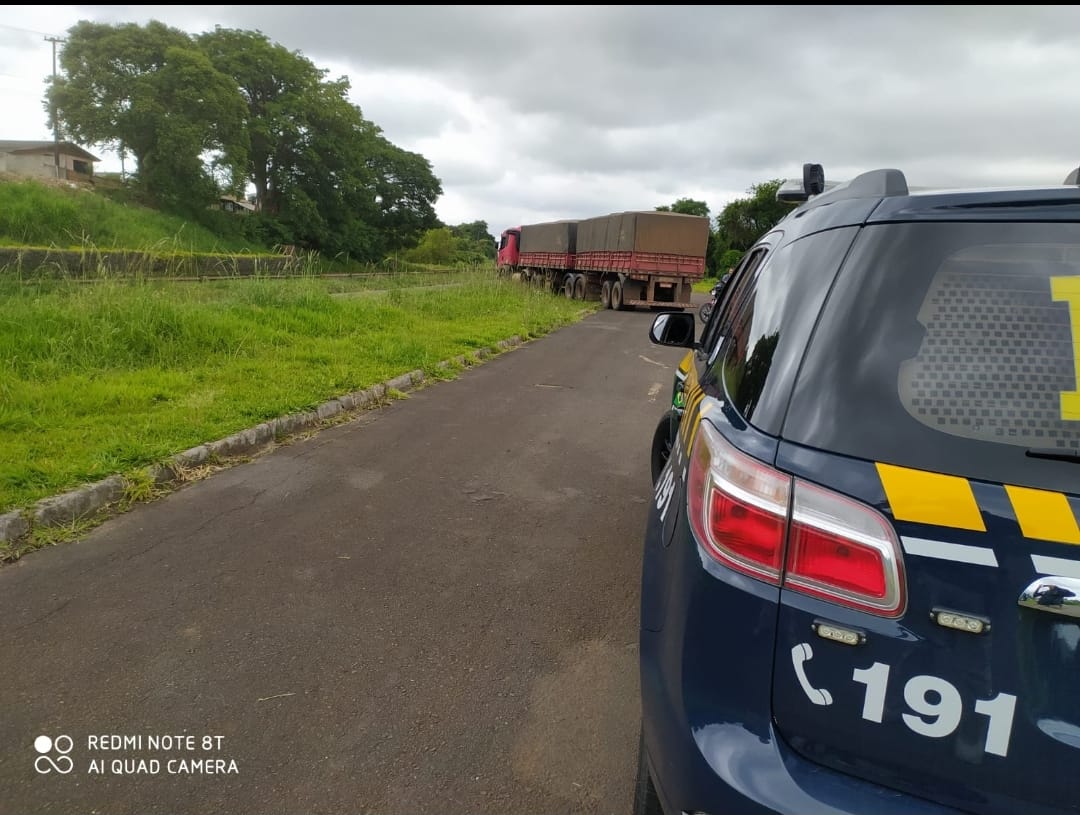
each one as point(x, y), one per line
point(1073, 178)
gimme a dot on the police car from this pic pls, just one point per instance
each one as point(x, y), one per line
point(861, 573)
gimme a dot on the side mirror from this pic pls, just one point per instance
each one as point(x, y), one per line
point(673, 328)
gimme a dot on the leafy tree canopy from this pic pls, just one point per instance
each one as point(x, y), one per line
point(149, 91)
point(477, 236)
point(745, 220)
point(259, 115)
point(687, 206)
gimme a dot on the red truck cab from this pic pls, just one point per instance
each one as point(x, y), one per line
point(509, 249)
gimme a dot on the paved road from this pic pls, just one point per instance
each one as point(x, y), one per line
point(432, 608)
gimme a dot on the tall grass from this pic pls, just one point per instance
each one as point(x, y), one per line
point(105, 378)
point(37, 214)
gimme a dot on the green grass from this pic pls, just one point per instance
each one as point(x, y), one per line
point(704, 286)
point(109, 377)
point(42, 215)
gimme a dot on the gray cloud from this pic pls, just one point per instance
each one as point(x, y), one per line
point(565, 110)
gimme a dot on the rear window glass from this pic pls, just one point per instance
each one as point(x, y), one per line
point(951, 347)
point(771, 316)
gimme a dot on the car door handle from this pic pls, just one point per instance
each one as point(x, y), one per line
point(1055, 595)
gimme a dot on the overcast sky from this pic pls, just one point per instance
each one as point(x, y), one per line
point(537, 113)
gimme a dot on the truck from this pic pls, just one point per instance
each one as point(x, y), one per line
point(624, 259)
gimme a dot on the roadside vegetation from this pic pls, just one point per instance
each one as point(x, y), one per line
point(37, 214)
point(109, 377)
point(50, 229)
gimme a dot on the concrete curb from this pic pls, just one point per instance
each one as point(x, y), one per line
point(90, 500)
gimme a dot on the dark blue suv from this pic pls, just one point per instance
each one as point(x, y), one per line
point(861, 574)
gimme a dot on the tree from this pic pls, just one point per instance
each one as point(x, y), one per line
point(325, 177)
point(474, 231)
point(438, 246)
point(321, 171)
point(687, 206)
point(480, 241)
point(149, 91)
point(745, 220)
point(727, 260)
point(406, 190)
point(276, 85)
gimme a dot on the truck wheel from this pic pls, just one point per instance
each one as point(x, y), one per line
point(616, 295)
point(605, 294)
point(579, 287)
point(568, 286)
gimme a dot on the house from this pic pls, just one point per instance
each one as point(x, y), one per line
point(237, 206)
point(38, 160)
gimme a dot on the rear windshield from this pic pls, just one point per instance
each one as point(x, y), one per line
point(951, 347)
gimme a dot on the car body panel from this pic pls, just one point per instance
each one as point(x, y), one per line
point(999, 763)
point(964, 702)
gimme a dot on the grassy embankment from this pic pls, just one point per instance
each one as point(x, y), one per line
point(35, 214)
point(108, 378)
point(112, 376)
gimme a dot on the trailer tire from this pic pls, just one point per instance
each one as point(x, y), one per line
point(605, 294)
point(568, 286)
point(616, 295)
point(579, 287)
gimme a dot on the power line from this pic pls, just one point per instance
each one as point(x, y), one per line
point(25, 30)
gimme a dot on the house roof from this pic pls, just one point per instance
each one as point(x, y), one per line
point(238, 201)
point(66, 147)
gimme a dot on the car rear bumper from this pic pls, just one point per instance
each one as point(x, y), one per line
point(732, 765)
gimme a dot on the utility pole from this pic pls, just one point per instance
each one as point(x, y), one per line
point(55, 121)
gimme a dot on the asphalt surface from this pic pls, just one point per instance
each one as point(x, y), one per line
point(432, 608)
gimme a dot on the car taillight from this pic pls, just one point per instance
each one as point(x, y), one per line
point(843, 551)
point(746, 515)
point(737, 506)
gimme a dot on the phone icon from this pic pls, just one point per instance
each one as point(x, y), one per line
point(800, 655)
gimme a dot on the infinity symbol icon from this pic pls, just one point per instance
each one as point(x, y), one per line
point(46, 764)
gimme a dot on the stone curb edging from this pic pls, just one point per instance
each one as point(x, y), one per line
point(88, 500)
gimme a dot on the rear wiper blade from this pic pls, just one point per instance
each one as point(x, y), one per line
point(1055, 453)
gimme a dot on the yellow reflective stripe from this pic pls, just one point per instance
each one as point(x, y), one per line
point(690, 418)
point(697, 421)
point(1044, 515)
point(687, 363)
point(1068, 289)
point(690, 384)
point(691, 395)
point(930, 498)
